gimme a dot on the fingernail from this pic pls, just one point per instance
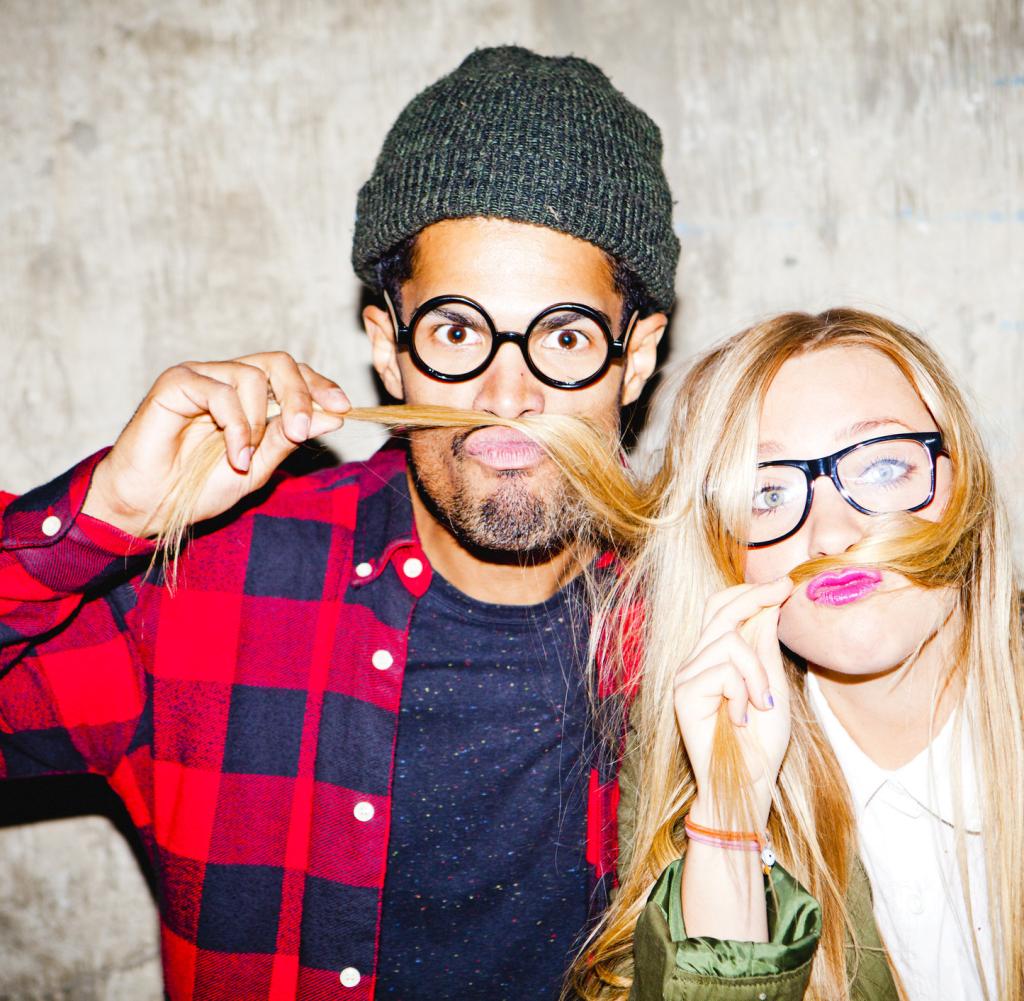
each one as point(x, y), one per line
point(245, 458)
point(769, 699)
point(338, 399)
point(300, 424)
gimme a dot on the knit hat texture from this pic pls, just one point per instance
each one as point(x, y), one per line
point(539, 139)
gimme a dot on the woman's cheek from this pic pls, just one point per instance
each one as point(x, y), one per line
point(767, 564)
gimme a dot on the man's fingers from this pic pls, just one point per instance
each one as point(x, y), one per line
point(251, 384)
point(222, 403)
point(289, 389)
point(275, 447)
point(326, 392)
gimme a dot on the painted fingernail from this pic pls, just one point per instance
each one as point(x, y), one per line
point(769, 699)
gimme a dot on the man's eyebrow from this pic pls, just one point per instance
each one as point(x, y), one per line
point(564, 316)
point(468, 318)
point(774, 448)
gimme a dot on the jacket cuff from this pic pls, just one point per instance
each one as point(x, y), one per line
point(669, 966)
point(62, 548)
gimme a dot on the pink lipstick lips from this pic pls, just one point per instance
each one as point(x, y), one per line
point(503, 448)
point(841, 587)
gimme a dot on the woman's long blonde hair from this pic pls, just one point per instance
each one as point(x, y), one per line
point(691, 550)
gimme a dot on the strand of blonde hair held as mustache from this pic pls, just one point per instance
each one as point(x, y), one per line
point(585, 453)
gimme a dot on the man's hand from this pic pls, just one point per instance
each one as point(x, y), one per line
point(187, 405)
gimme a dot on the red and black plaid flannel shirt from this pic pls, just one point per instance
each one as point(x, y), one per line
point(247, 720)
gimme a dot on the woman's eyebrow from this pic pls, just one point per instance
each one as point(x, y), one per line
point(870, 425)
point(767, 448)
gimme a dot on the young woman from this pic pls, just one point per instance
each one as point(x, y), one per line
point(832, 567)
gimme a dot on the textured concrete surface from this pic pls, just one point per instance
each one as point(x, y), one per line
point(178, 180)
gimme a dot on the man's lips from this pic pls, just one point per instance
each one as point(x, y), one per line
point(841, 587)
point(503, 448)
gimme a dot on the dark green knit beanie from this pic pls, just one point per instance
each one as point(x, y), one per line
point(514, 135)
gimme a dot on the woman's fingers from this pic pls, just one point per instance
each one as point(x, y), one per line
point(731, 649)
point(742, 603)
point(704, 692)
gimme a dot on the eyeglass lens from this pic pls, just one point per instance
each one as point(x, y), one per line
point(455, 339)
point(879, 477)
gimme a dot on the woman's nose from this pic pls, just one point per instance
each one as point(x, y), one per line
point(833, 525)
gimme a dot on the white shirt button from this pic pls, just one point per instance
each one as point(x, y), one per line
point(363, 811)
point(364, 570)
point(349, 977)
point(381, 660)
point(412, 567)
point(51, 525)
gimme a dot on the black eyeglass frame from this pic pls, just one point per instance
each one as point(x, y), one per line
point(404, 339)
point(827, 465)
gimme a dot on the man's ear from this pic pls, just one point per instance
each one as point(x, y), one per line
point(381, 331)
point(642, 355)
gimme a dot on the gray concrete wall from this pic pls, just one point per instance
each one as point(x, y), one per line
point(178, 180)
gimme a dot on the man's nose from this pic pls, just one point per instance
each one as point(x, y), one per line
point(833, 525)
point(507, 386)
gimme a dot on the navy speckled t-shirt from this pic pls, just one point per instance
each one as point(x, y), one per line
point(486, 887)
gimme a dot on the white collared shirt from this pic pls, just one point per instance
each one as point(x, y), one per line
point(907, 843)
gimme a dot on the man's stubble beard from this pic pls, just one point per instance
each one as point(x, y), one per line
point(510, 518)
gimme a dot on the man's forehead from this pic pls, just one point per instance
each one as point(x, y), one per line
point(500, 262)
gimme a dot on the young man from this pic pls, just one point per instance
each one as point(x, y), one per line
point(354, 739)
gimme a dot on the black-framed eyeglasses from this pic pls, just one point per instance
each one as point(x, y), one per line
point(567, 345)
point(894, 472)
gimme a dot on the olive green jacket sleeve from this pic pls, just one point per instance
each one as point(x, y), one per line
point(671, 967)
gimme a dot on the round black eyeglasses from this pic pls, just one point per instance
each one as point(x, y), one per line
point(567, 345)
point(894, 472)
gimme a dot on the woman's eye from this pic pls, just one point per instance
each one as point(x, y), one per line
point(884, 471)
point(566, 340)
point(768, 498)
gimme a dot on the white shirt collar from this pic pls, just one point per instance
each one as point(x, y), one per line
point(926, 781)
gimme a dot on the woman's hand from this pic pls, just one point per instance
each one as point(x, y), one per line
point(194, 401)
point(737, 658)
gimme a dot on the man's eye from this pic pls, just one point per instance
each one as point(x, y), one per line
point(566, 340)
point(456, 336)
